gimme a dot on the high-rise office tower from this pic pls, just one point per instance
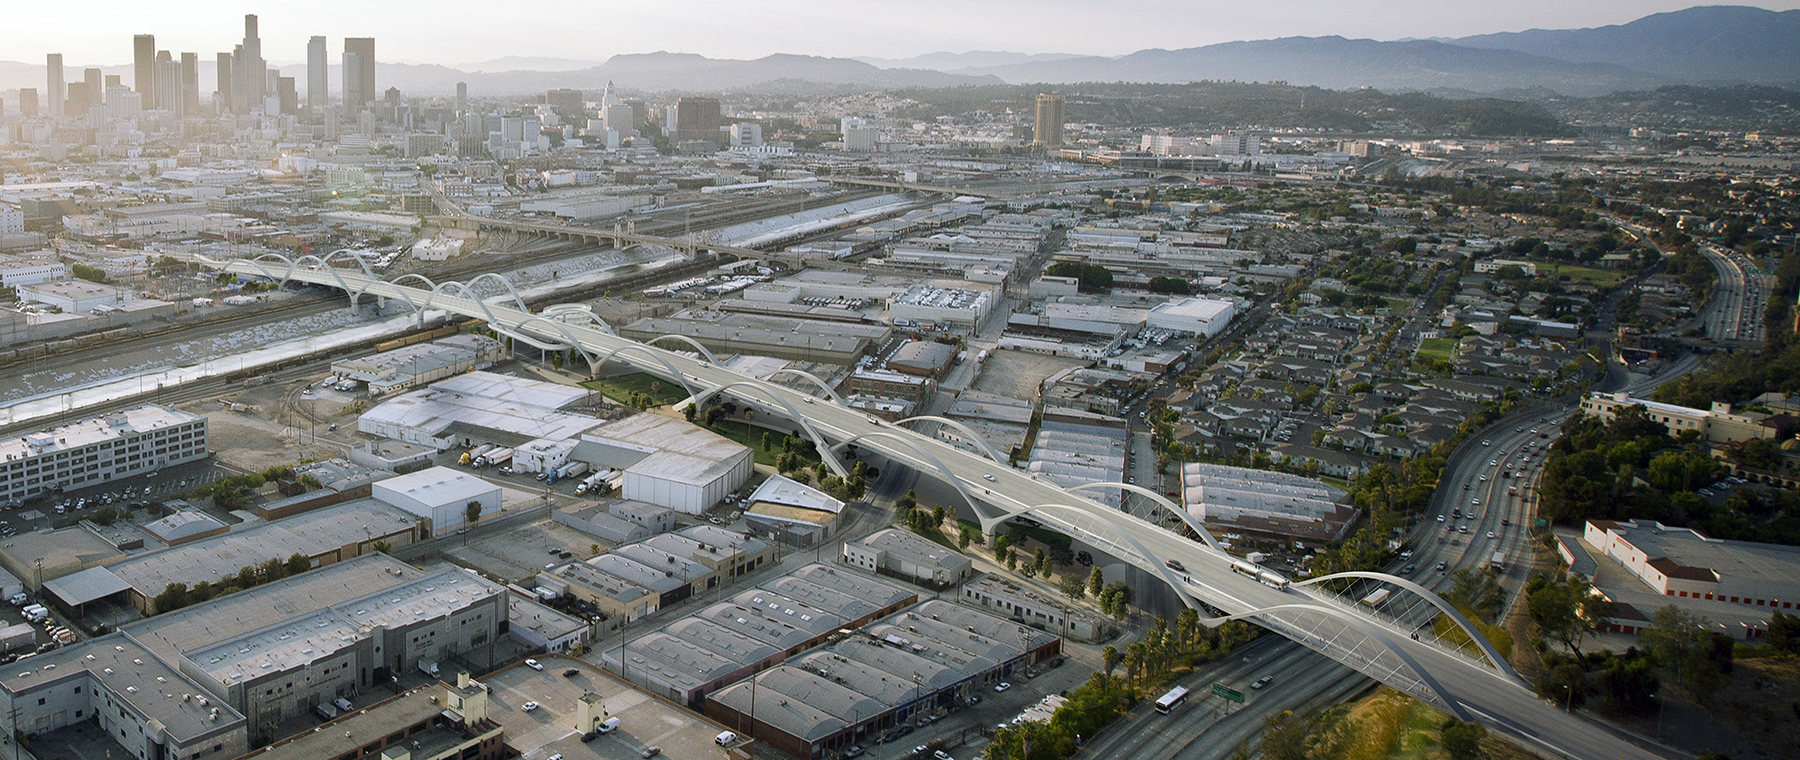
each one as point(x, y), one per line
point(247, 68)
point(28, 101)
point(96, 87)
point(318, 75)
point(190, 83)
point(143, 65)
point(462, 97)
point(222, 95)
point(76, 105)
point(1048, 132)
point(287, 95)
point(53, 85)
point(697, 119)
point(359, 80)
point(567, 104)
point(168, 84)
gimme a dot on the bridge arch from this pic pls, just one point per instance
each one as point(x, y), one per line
point(1481, 642)
point(1196, 525)
point(943, 469)
point(805, 424)
point(980, 442)
point(685, 339)
point(563, 312)
point(464, 292)
point(824, 386)
point(1156, 563)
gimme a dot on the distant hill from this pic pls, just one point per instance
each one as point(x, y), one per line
point(958, 62)
point(526, 63)
point(1718, 43)
point(1338, 63)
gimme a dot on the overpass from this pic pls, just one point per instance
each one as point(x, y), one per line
point(1470, 680)
point(621, 236)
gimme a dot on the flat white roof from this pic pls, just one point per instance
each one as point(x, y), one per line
point(93, 430)
point(1204, 309)
point(438, 486)
point(779, 489)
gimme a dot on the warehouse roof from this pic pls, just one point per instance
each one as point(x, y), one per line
point(93, 430)
point(654, 578)
point(310, 533)
point(914, 548)
point(438, 486)
point(676, 661)
point(678, 450)
point(89, 585)
point(778, 489)
point(794, 717)
point(752, 622)
point(731, 644)
point(799, 614)
point(876, 592)
point(835, 602)
point(132, 674)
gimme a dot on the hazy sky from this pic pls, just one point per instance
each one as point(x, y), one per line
point(464, 31)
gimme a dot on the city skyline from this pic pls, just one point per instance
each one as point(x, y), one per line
point(722, 30)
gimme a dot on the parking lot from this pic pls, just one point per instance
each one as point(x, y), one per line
point(549, 728)
point(523, 552)
point(961, 731)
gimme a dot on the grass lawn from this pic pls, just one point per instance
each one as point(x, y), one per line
point(1437, 348)
point(619, 388)
point(1601, 277)
point(750, 435)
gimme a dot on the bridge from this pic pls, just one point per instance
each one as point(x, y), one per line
point(622, 236)
point(1406, 651)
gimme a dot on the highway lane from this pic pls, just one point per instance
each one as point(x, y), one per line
point(1504, 703)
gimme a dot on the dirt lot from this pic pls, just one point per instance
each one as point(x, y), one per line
point(1018, 373)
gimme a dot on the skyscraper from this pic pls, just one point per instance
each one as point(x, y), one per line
point(359, 73)
point(168, 84)
point(318, 75)
point(190, 83)
point(1048, 133)
point(222, 95)
point(697, 119)
point(462, 97)
point(247, 69)
point(53, 85)
point(96, 87)
point(28, 101)
point(143, 65)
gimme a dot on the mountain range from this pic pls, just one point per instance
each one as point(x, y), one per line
point(1700, 45)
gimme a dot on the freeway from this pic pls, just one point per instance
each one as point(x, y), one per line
point(1376, 645)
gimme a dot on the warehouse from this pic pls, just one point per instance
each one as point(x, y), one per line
point(404, 368)
point(792, 513)
point(1681, 562)
point(1265, 504)
point(920, 661)
point(98, 450)
point(834, 342)
point(324, 536)
point(941, 303)
point(479, 407)
point(757, 628)
point(616, 598)
point(667, 461)
point(441, 496)
point(1195, 316)
point(908, 556)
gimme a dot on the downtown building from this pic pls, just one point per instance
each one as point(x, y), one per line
point(99, 450)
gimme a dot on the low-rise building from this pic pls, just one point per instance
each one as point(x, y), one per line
point(906, 555)
point(98, 450)
point(1718, 424)
point(443, 497)
point(1037, 610)
point(1684, 563)
point(407, 367)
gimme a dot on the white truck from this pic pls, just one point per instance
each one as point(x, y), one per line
point(473, 456)
point(573, 470)
point(495, 458)
point(429, 667)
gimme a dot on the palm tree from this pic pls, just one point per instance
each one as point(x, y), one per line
point(1110, 657)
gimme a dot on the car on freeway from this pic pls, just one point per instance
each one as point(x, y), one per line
point(1442, 565)
point(987, 477)
point(1491, 534)
point(1406, 570)
point(1175, 565)
point(1261, 682)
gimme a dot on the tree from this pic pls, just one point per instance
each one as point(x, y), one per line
point(766, 438)
point(472, 511)
point(1109, 657)
point(1095, 582)
point(272, 570)
point(174, 596)
point(1566, 612)
point(690, 413)
point(383, 547)
point(1283, 737)
point(1695, 657)
point(1072, 585)
point(1462, 741)
point(962, 540)
point(298, 563)
point(1784, 633)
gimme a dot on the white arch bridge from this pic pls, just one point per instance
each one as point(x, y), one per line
point(1468, 680)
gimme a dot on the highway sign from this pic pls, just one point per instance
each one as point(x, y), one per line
point(1228, 692)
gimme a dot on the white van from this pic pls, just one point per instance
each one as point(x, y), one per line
point(608, 726)
point(725, 739)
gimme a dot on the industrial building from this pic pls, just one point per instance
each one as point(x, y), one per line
point(832, 341)
point(1682, 562)
point(909, 556)
point(635, 579)
point(941, 303)
point(325, 536)
point(922, 358)
point(276, 651)
point(1195, 316)
point(1074, 447)
point(112, 683)
point(407, 367)
point(99, 450)
point(1041, 611)
point(792, 513)
point(544, 628)
point(480, 407)
point(433, 722)
point(1265, 504)
point(1717, 425)
point(441, 496)
point(759, 627)
point(74, 296)
point(918, 662)
point(668, 461)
